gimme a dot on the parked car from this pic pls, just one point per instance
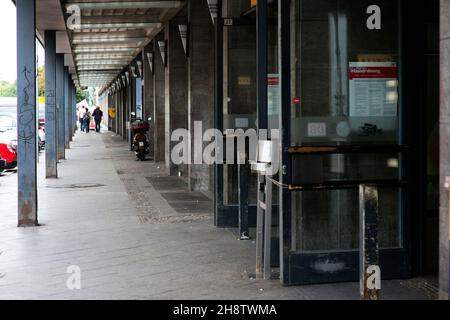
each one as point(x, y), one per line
point(41, 134)
point(8, 152)
point(8, 140)
point(2, 165)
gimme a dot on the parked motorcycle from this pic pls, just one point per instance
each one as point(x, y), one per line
point(141, 146)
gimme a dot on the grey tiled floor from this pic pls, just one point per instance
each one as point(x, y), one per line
point(104, 216)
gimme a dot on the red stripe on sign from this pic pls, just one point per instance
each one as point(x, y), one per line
point(273, 81)
point(372, 73)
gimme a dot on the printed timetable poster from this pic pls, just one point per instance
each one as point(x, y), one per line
point(373, 89)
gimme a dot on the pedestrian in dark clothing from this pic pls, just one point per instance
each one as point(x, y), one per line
point(87, 120)
point(98, 115)
point(81, 115)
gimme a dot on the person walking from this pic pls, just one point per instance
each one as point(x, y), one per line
point(81, 115)
point(98, 116)
point(87, 120)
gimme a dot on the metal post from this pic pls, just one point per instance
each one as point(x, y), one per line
point(26, 113)
point(268, 231)
point(51, 147)
point(72, 122)
point(60, 105)
point(243, 176)
point(67, 109)
point(260, 225)
point(74, 108)
point(262, 54)
point(370, 275)
point(447, 186)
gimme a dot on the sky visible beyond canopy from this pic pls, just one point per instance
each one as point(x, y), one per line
point(8, 59)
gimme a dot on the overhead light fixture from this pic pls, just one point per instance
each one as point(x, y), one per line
point(163, 51)
point(133, 71)
point(139, 65)
point(213, 9)
point(150, 57)
point(184, 37)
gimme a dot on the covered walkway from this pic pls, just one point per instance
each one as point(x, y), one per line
point(127, 246)
point(222, 71)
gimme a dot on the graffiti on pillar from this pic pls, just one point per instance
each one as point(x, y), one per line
point(50, 105)
point(26, 112)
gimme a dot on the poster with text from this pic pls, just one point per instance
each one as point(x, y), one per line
point(373, 89)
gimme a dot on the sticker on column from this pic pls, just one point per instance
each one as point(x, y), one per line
point(317, 129)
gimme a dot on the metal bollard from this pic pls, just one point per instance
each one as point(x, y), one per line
point(447, 186)
point(243, 176)
point(370, 274)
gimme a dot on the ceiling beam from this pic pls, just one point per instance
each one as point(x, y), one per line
point(123, 25)
point(120, 19)
point(126, 5)
point(122, 40)
point(90, 49)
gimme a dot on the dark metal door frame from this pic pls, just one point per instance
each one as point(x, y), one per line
point(226, 216)
point(295, 268)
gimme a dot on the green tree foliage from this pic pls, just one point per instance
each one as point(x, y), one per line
point(81, 94)
point(41, 81)
point(8, 89)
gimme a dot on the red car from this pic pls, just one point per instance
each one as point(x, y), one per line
point(8, 152)
point(2, 165)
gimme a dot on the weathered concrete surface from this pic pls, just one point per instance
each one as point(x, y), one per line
point(200, 86)
point(149, 94)
point(176, 100)
point(51, 131)
point(159, 85)
point(444, 146)
point(103, 216)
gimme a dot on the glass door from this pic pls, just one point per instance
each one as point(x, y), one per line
point(236, 110)
point(345, 119)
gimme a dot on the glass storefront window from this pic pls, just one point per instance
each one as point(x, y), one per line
point(345, 92)
point(329, 220)
point(239, 106)
point(345, 76)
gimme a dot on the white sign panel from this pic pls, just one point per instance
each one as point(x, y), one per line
point(373, 89)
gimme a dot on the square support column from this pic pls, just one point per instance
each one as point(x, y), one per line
point(73, 110)
point(200, 88)
point(67, 109)
point(159, 87)
point(51, 145)
point(60, 106)
point(72, 116)
point(444, 148)
point(148, 94)
point(26, 113)
point(176, 109)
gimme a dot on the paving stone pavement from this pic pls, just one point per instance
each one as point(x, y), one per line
point(104, 216)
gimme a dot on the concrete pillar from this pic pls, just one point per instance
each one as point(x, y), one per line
point(60, 105)
point(26, 113)
point(200, 86)
point(159, 87)
point(121, 111)
point(148, 94)
point(67, 109)
point(71, 109)
point(444, 122)
point(51, 146)
point(74, 109)
point(124, 112)
point(176, 110)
